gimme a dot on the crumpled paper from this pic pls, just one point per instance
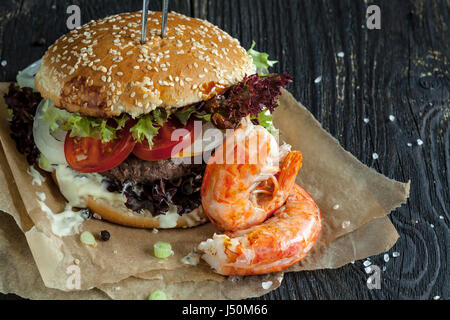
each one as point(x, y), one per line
point(354, 201)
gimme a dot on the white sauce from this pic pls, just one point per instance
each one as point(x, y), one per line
point(41, 195)
point(76, 187)
point(37, 178)
point(66, 223)
point(170, 219)
point(193, 258)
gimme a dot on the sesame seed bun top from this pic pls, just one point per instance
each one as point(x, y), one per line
point(102, 70)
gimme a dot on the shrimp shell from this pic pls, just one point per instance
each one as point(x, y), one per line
point(278, 243)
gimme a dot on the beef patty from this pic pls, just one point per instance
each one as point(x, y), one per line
point(142, 172)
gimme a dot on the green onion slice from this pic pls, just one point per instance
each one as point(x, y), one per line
point(157, 295)
point(162, 249)
point(88, 238)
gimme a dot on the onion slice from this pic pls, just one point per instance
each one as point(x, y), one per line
point(25, 77)
point(48, 145)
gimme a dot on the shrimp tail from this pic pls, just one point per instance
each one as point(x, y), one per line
point(289, 169)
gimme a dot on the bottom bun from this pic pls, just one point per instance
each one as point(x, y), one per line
point(120, 214)
point(127, 217)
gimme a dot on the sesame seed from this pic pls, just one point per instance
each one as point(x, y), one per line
point(136, 67)
point(201, 75)
point(132, 94)
point(103, 78)
point(119, 73)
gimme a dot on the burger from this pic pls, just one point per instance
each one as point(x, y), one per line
point(103, 109)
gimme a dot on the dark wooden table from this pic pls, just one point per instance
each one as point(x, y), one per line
point(400, 70)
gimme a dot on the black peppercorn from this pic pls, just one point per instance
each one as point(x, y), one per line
point(105, 235)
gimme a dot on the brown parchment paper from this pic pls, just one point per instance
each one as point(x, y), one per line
point(124, 267)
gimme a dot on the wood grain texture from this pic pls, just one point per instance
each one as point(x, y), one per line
point(400, 70)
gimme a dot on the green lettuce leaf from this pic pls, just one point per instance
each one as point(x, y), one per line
point(184, 115)
point(144, 129)
point(121, 121)
point(265, 119)
point(160, 115)
point(204, 117)
point(107, 132)
point(260, 60)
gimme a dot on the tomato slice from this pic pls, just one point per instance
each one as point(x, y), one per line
point(162, 143)
point(89, 155)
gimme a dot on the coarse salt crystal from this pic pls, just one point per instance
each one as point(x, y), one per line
point(318, 79)
point(366, 120)
point(409, 144)
point(336, 206)
point(386, 257)
point(345, 224)
point(375, 156)
point(341, 54)
point(267, 284)
point(4, 63)
point(368, 269)
point(395, 254)
point(391, 118)
point(419, 142)
point(367, 263)
point(436, 297)
point(441, 217)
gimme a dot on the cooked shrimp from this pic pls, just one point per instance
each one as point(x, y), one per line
point(243, 183)
point(278, 243)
